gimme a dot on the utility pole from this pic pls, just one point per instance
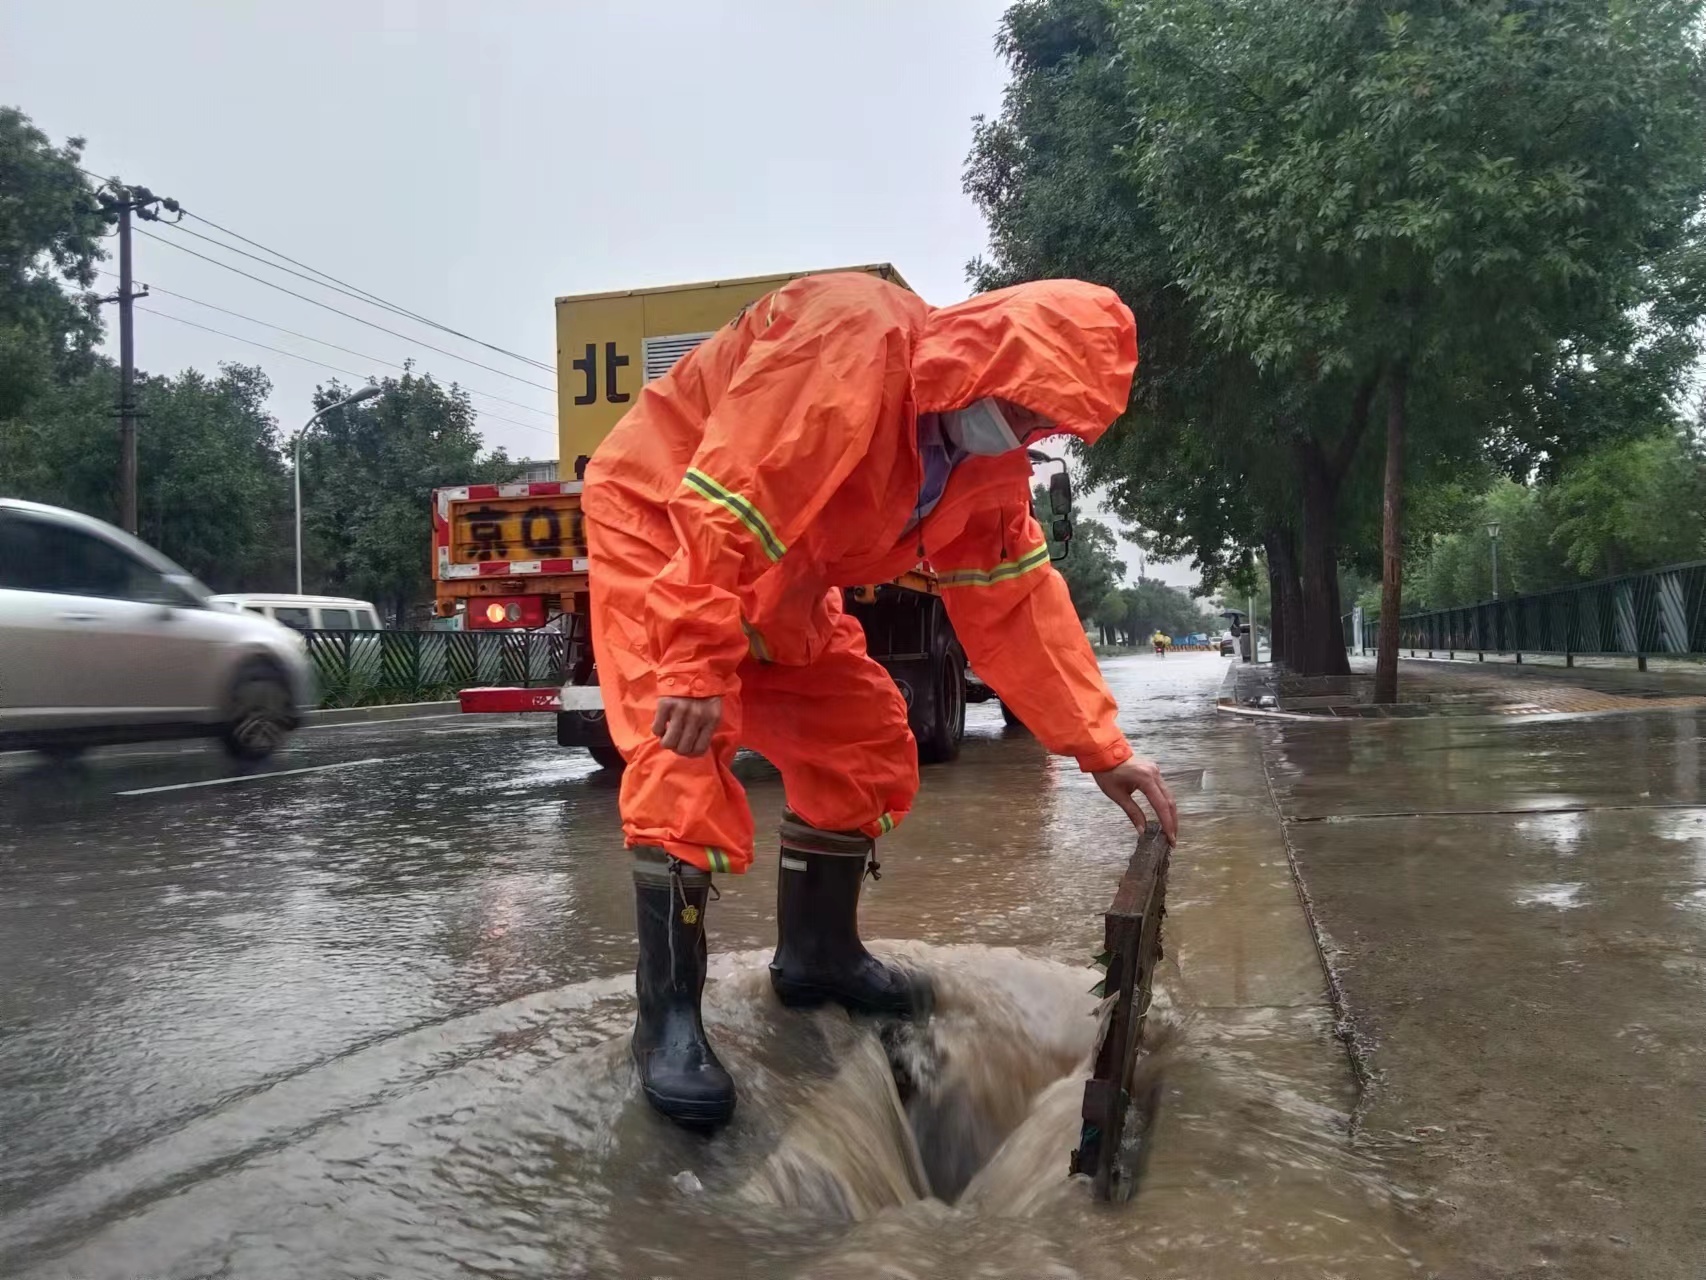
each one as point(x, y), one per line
point(126, 379)
point(122, 202)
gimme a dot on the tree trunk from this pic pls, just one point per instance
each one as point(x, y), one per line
point(1276, 617)
point(1285, 593)
point(1392, 541)
point(1319, 648)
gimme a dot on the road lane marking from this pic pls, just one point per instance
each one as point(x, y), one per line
point(252, 777)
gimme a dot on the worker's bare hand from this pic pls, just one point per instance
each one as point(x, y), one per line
point(685, 725)
point(1121, 785)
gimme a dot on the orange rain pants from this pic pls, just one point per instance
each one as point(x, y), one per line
point(835, 729)
point(779, 462)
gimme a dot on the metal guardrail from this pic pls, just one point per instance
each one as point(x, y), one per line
point(1661, 611)
point(356, 668)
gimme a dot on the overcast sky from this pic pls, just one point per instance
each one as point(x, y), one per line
point(472, 161)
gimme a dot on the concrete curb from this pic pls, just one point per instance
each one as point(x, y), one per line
point(371, 715)
point(1489, 717)
point(1228, 696)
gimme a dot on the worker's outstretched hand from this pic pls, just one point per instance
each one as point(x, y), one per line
point(685, 725)
point(1122, 783)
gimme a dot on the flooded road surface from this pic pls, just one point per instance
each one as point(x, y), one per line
point(370, 1018)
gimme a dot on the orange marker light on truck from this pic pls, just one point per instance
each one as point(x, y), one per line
point(497, 613)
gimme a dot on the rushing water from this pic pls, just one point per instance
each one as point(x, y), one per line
point(380, 1029)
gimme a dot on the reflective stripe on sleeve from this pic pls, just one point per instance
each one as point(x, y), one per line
point(739, 507)
point(1000, 573)
point(755, 641)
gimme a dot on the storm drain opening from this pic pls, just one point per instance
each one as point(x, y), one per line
point(960, 1106)
point(975, 1109)
point(997, 1096)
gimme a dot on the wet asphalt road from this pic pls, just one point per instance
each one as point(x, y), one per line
point(174, 932)
point(204, 967)
point(365, 1013)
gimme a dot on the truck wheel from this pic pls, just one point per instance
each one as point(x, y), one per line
point(604, 751)
point(578, 729)
point(940, 734)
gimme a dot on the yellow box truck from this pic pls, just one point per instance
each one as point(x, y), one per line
point(514, 555)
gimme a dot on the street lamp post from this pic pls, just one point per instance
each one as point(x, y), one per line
point(366, 393)
point(1493, 538)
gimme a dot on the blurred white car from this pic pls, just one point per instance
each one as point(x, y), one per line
point(104, 640)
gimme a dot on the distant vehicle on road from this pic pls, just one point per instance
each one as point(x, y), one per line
point(1228, 645)
point(104, 640)
point(307, 613)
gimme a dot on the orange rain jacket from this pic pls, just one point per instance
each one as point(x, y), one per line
point(780, 461)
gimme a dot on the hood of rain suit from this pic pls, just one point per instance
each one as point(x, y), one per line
point(1063, 349)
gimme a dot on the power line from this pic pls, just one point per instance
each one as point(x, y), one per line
point(321, 277)
point(502, 373)
point(348, 351)
point(350, 373)
point(358, 296)
point(358, 291)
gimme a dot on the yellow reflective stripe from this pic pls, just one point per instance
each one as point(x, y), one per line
point(738, 507)
point(755, 641)
point(1000, 573)
point(885, 824)
point(717, 858)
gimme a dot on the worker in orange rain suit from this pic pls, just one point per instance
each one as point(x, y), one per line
point(837, 432)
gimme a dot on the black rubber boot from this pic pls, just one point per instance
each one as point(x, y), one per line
point(818, 953)
point(679, 1072)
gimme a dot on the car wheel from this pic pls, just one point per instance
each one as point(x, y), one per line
point(260, 714)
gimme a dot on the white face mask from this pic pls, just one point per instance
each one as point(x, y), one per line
point(980, 428)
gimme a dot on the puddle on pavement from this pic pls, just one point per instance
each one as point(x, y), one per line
point(513, 1143)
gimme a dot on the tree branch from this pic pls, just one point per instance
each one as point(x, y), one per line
point(1347, 450)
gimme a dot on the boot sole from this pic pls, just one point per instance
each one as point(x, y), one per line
point(692, 1114)
point(806, 995)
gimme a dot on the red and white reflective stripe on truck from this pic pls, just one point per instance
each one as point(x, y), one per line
point(503, 700)
point(507, 568)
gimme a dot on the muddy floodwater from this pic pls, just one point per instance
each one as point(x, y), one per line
point(370, 1020)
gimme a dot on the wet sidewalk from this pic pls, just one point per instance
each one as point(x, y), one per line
point(1443, 687)
point(1515, 912)
point(1548, 687)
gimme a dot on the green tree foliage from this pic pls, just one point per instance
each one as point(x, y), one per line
point(1131, 614)
point(1469, 221)
point(50, 228)
point(1631, 505)
point(213, 490)
point(367, 479)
